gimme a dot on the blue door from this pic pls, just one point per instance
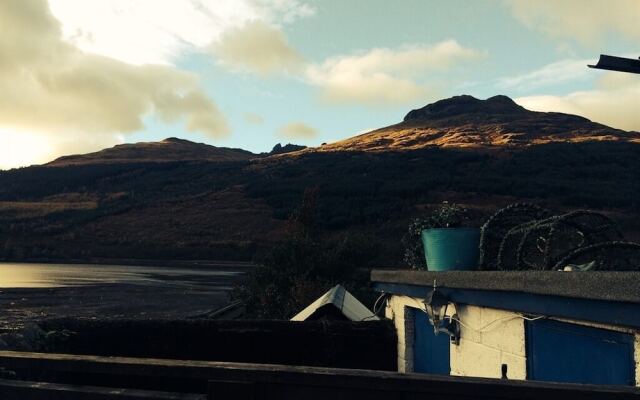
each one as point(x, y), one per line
point(430, 351)
point(562, 352)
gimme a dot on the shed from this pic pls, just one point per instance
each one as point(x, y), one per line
point(581, 327)
point(336, 304)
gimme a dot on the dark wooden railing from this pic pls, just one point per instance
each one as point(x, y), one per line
point(115, 378)
point(25, 390)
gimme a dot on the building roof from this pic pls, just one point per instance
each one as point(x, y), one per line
point(599, 296)
point(594, 285)
point(337, 298)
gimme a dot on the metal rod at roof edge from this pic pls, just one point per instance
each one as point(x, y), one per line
point(620, 64)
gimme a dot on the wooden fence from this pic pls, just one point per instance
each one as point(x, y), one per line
point(119, 378)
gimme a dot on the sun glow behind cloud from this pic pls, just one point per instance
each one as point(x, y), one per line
point(23, 148)
point(19, 148)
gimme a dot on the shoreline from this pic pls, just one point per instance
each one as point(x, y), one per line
point(188, 289)
point(208, 264)
point(112, 301)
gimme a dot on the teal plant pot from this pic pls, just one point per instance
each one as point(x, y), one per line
point(451, 249)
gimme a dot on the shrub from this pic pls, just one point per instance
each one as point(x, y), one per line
point(444, 216)
point(299, 269)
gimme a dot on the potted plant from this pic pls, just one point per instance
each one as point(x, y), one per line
point(446, 240)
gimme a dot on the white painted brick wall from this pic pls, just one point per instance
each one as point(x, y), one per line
point(488, 339)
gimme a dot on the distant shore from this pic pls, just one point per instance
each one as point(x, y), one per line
point(213, 264)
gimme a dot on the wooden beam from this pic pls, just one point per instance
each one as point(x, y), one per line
point(285, 381)
point(25, 390)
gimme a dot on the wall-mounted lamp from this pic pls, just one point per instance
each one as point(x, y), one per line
point(436, 304)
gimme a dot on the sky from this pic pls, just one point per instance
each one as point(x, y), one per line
point(80, 75)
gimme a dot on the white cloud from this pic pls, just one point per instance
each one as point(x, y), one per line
point(158, 32)
point(386, 76)
point(79, 100)
point(245, 35)
point(613, 102)
point(588, 21)
point(253, 118)
point(551, 74)
point(297, 130)
point(256, 47)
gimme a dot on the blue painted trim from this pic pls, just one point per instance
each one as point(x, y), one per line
point(606, 312)
point(431, 352)
point(559, 351)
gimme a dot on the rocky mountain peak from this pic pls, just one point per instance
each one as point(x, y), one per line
point(175, 140)
point(465, 104)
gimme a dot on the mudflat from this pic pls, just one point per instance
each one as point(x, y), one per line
point(154, 293)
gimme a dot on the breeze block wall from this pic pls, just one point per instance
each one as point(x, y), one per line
point(489, 339)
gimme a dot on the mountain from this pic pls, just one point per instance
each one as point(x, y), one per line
point(181, 200)
point(170, 149)
point(457, 122)
point(464, 121)
point(287, 148)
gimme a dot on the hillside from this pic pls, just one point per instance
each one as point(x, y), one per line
point(203, 202)
point(464, 121)
point(170, 149)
